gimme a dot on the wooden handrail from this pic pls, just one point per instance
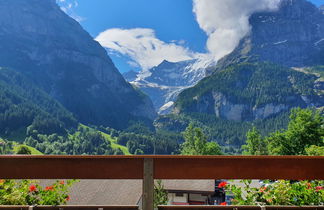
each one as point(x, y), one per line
point(165, 167)
point(149, 168)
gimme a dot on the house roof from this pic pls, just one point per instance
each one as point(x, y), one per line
point(106, 192)
point(189, 185)
point(124, 192)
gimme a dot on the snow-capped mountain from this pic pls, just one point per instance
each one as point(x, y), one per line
point(164, 82)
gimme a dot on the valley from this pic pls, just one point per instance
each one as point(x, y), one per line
point(62, 94)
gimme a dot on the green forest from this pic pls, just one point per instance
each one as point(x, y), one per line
point(249, 83)
point(31, 121)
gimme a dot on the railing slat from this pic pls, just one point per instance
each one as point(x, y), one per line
point(70, 167)
point(148, 184)
point(240, 167)
point(165, 167)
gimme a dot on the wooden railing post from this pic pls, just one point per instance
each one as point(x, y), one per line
point(148, 184)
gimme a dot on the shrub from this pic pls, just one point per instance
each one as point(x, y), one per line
point(282, 192)
point(27, 192)
point(23, 150)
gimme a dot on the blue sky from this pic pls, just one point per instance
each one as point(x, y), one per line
point(170, 28)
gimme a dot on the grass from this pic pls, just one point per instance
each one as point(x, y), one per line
point(19, 136)
point(114, 144)
point(113, 141)
point(16, 144)
point(32, 149)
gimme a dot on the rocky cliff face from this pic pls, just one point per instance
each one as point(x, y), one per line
point(42, 42)
point(130, 75)
point(226, 109)
point(164, 82)
point(244, 92)
point(292, 36)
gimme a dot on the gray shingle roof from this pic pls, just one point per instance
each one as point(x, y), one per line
point(124, 192)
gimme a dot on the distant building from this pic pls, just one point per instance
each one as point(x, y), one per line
point(189, 192)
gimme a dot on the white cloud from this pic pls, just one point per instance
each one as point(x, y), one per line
point(226, 22)
point(143, 47)
point(68, 7)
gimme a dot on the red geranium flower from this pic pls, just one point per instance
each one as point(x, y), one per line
point(222, 184)
point(318, 188)
point(32, 188)
point(67, 198)
point(262, 189)
point(223, 204)
point(62, 182)
point(49, 188)
point(309, 186)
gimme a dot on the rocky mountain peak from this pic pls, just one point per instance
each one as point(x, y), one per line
point(165, 64)
point(165, 81)
point(38, 39)
point(291, 36)
point(296, 8)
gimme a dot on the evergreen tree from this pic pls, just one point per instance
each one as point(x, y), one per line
point(255, 144)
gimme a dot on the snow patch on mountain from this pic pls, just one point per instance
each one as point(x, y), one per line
point(164, 82)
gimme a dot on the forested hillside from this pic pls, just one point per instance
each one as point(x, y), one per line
point(275, 67)
point(251, 91)
point(24, 106)
point(53, 51)
point(230, 102)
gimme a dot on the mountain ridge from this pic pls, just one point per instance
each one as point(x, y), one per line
point(291, 36)
point(39, 40)
point(165, 81)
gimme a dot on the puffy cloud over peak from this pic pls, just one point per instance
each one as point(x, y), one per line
point(226, 22)
point(143, 47)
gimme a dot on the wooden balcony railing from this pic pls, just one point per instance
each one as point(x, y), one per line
point(149, 168)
